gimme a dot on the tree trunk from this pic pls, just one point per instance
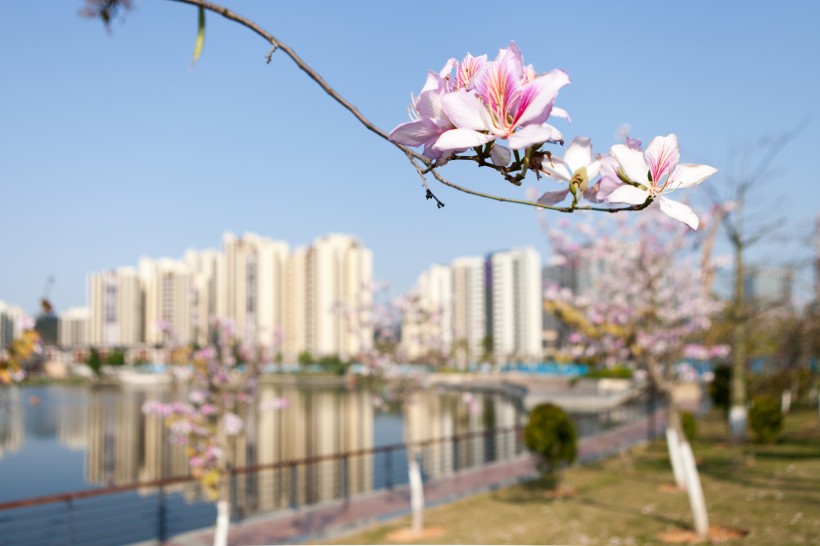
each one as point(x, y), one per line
point(690, 473)
point(414, 476)
point(223, 515)
point(673, 444)
point(737, 412)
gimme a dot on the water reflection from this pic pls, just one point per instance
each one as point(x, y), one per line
point(124, 446)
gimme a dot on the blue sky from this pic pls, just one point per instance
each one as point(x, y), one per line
point(111, 148)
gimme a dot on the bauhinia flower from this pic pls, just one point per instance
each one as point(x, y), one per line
point(654, 172)
point(507, 104)
point(483, 102)
point(577, 169)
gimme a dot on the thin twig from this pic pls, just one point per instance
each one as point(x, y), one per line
point(412, 155)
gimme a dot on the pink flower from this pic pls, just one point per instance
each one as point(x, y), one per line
point(654, 172)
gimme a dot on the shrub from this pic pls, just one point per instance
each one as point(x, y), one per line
point(550, 433)
point(765, 418)
point(689, 424)
point(617, 372)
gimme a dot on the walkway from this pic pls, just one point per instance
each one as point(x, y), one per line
point(333, 518)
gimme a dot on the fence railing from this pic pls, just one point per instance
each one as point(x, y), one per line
point(159, 509)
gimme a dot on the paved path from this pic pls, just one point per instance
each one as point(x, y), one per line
point(333, 518)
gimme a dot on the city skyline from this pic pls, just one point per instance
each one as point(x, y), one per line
point(117, 149)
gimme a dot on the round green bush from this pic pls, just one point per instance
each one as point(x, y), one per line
point(765, 418)
point(550, 433)
point(689, 424)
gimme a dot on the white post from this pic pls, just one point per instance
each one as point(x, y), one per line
point(223, 514)
point(673, 444)
point(416, 493)
point(693, 487)
point(738, 417)
point(785, 401)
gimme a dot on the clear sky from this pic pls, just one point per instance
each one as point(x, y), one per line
point(111, 148)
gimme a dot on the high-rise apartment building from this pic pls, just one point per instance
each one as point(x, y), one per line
point(74, 327)
point(469, 309)
point(328, 297)
point(251, 287)
point(11, 318)
point(427, 326)
point(166, 293)
point(115, 307)
point(769, 285)
point(202, 265)
point(515, 303)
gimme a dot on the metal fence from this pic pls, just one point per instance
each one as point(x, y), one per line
point(160, 509)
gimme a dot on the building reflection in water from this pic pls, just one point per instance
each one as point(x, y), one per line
point(125, 446)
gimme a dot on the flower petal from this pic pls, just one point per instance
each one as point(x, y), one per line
point(556, 169)
point(661, 155)
point(560, 113)
point(553, 197)
point(629, 195)
point(679, 211)
point(537, 97)
point(500, 155)
point(533, 134)
point(632, 162)
point(465, 110)
point(686, 175)
point(414, 133)
point(579, 153)
point(457, 140)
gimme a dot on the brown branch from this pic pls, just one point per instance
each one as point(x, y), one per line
point(412, 155)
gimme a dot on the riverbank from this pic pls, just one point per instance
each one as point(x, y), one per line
point(769, 492)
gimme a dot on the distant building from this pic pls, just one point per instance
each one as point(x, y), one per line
point(115, 307)
point(427, 327)
point(769, 285)
point(328, 297)
point(469, 309)
point(166, 297)
point(202, 266)
point(250, 289)
point(74, 327)
point(11, 318)
point(515, 303)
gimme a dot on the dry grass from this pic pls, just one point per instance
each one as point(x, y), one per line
point(773, 492)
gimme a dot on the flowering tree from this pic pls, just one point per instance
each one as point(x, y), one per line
point(646, 308)
point(222, 379)
point(468, 108)
point(17, 354)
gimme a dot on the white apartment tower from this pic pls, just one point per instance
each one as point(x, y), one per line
point(427, 327)
point(74, 327)
point(328, 297)
point(251, 286)
point(515, 304)
point(115, 308)
point(166, 286)
point(202, 265)
point(469, 309)
point(11, 317)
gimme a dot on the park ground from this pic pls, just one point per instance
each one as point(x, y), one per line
point(769, 494)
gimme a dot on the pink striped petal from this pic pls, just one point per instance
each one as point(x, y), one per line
point(661, 155)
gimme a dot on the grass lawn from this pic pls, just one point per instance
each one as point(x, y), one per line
point(771, 491)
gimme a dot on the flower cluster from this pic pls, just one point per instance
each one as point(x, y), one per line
point(475, 103)
point(220, 390)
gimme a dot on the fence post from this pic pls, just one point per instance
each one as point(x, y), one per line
point(388, 469)
point(294, 486)
point(69, 522)
point(162, 530)
point(456, 454)
point(345, 477)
